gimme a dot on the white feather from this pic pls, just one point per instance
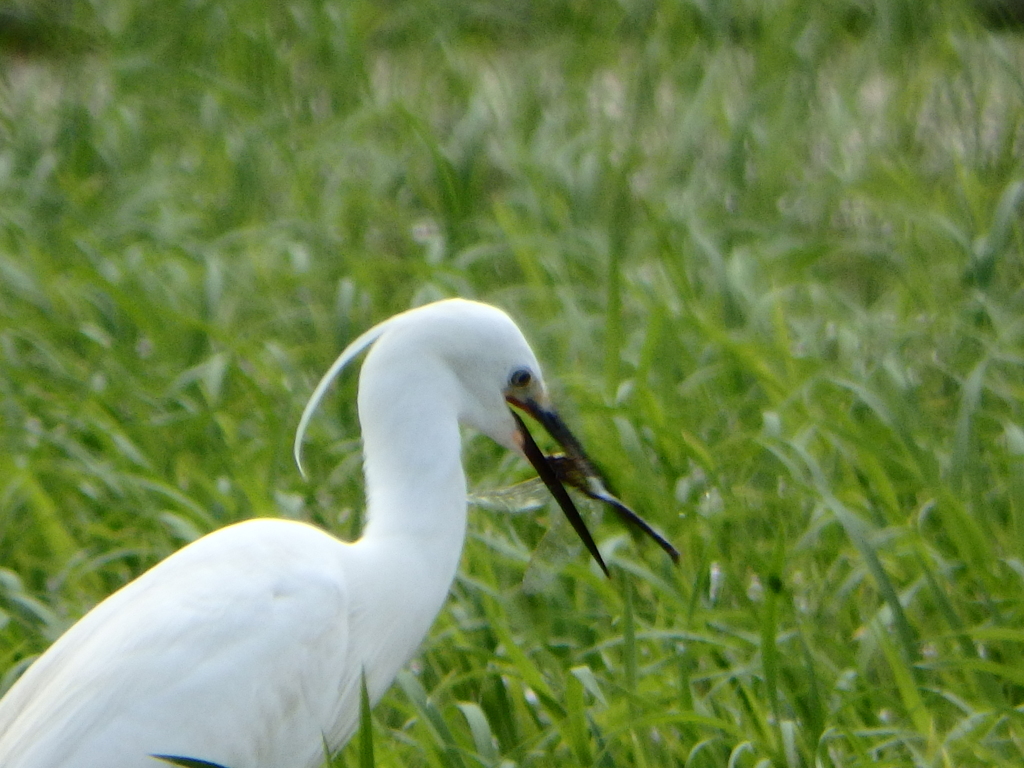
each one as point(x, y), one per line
point(246, 648)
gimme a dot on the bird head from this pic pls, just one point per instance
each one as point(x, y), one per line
point(478, 357)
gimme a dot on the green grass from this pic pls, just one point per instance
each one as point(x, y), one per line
point(769, 253)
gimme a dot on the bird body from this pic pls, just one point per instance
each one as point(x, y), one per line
point(247, 648)
point(247, 622)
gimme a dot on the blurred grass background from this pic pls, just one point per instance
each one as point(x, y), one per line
point(770, 253)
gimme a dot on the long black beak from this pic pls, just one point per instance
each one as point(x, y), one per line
point(575, 468)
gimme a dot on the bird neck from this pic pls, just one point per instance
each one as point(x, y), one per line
point(415, 486)
point(404, 563)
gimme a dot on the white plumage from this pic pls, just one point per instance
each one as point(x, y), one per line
point(246, 647)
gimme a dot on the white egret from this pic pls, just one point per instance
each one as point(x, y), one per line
point(246, 648)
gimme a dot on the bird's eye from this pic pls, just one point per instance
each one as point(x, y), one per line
point(521, 378)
